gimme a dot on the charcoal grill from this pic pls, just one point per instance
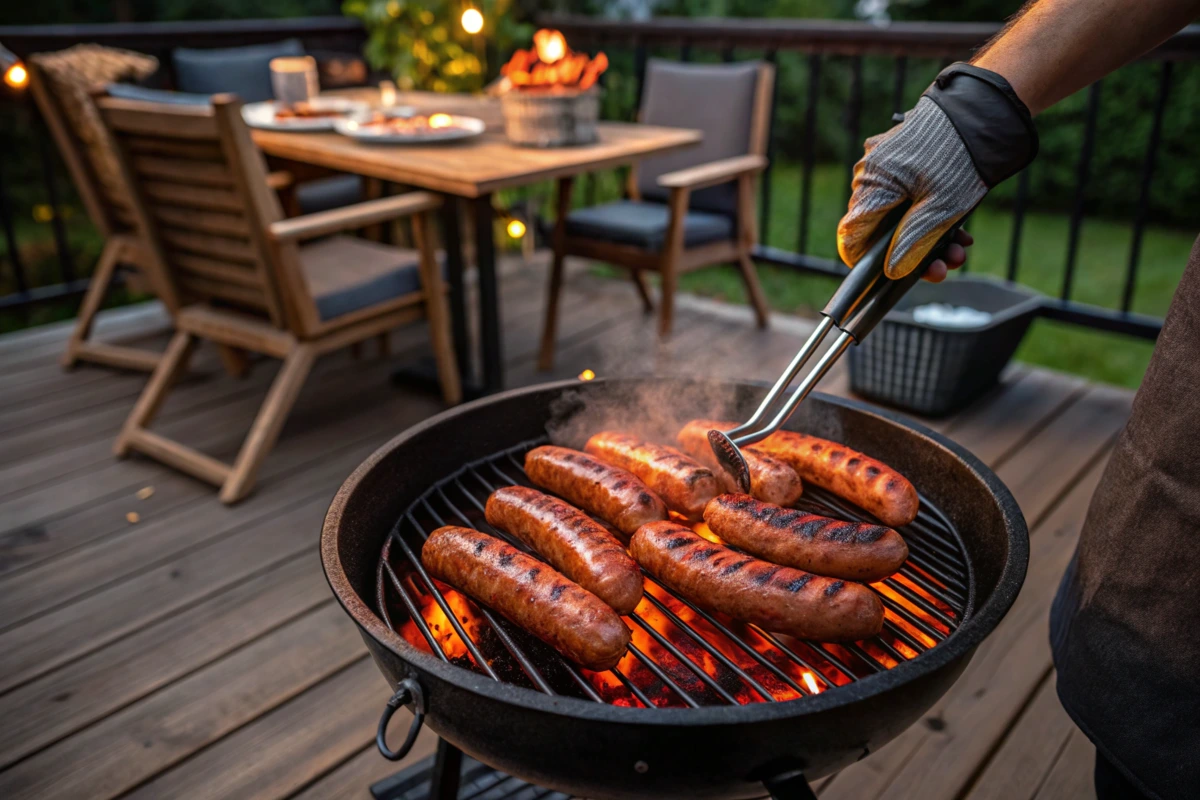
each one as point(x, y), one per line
point(702, 706)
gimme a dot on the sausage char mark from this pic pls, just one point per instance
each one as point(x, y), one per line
point(858, 551)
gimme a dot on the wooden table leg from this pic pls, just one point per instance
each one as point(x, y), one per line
point(491, 347)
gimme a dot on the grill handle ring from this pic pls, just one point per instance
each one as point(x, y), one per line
point(790, 786)
point(409, 691)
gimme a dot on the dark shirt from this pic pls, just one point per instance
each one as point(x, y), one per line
point(1125, 626)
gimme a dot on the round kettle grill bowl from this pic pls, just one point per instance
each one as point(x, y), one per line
point(597, 750)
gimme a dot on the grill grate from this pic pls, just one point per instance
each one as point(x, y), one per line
point(681, 655)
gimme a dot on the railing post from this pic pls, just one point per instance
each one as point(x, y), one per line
point(10, 239)
point(810, 147)
point(899, 76)
point(1014, 248)
point(764, 204)
point(1143, 207)
point(1083, 171)
point(853, 122)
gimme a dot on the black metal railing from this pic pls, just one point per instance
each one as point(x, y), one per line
point(901, 43)
point(848, 45)
point(328, 38)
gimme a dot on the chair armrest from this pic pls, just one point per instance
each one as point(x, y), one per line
point(280, 179)
point(359, 215)
point(713, 172)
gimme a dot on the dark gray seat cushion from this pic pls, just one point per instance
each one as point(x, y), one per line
point(644, 224)
point(402, 280)
point(326, 193)
point(717, 99)
point(245, 71)
point(128, 91)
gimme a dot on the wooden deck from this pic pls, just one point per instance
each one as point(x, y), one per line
point(167, 646)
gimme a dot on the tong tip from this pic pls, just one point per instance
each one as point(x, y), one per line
point(731, 458)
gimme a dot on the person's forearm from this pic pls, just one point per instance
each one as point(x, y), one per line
point(1054, 48)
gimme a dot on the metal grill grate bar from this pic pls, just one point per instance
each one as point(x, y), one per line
point(932, 581)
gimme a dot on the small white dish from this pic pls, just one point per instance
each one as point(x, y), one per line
point(262, 115)
point(460, 127)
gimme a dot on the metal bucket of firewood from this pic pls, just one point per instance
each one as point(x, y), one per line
point(551, 118)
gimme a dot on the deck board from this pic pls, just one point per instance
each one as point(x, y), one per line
point(198, 652)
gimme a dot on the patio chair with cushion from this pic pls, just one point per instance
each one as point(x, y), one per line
point(246, 72)
point(245, 277)
point(61, 84)
point(685, 210)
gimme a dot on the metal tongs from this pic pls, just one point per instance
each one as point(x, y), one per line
point(864, 297)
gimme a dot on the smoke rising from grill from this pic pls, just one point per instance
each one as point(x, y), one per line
point(651, 410)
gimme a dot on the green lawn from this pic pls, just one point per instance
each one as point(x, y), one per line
point(1099, 272)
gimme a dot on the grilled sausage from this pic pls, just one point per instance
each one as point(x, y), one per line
point(862, 480)
point(683, 484)
point(529, 593)
point(775, 598)
point(771, 480)
point(615, 495)
point(856, 551)
point(573, 543)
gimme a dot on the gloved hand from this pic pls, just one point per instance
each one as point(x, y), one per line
point(967, 133)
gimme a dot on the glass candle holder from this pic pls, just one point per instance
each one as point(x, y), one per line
point(294, 79)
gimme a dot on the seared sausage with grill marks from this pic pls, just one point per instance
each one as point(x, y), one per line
point(529, 593)
point(573, 543)
point(862, 480)
point(615, 495)
point(771, 480)
point(856, 551)
point(775, 598)
point(685, 485)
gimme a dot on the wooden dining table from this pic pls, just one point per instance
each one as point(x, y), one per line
point(470, 171)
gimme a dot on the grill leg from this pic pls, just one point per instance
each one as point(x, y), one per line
point(790, 786)
point(447, 768)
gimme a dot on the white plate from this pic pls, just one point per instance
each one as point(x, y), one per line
point(463, 128)
point(262, 115)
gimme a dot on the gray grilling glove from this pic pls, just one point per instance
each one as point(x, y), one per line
point(967, 133)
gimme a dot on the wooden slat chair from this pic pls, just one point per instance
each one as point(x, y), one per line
point(685, 210)
point(60, 83)
point(245, 276)
point(107, 205)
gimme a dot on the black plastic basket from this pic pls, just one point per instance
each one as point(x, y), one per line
point(934, 370)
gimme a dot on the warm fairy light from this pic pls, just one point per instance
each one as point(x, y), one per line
point(16, 76)
point(550, 45)
point(587, 375)
point(472, 20)
point(440, 121)
point(811, 683)
point(515, 228)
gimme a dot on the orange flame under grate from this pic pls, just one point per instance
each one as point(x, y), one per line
point(681, 655)
point(551, 64)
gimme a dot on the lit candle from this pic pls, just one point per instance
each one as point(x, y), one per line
point(387, 94)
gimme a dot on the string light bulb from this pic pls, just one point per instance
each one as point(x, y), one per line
point(515, 228)
point(16, 76)
point(472, 20)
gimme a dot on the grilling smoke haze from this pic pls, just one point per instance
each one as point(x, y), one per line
point(654, 409)
point(681, 380)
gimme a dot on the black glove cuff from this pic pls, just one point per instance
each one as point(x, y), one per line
point(994, 124)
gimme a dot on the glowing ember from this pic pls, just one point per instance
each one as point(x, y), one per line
point(677, 649)
point(587, 375)
point(551, 64)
